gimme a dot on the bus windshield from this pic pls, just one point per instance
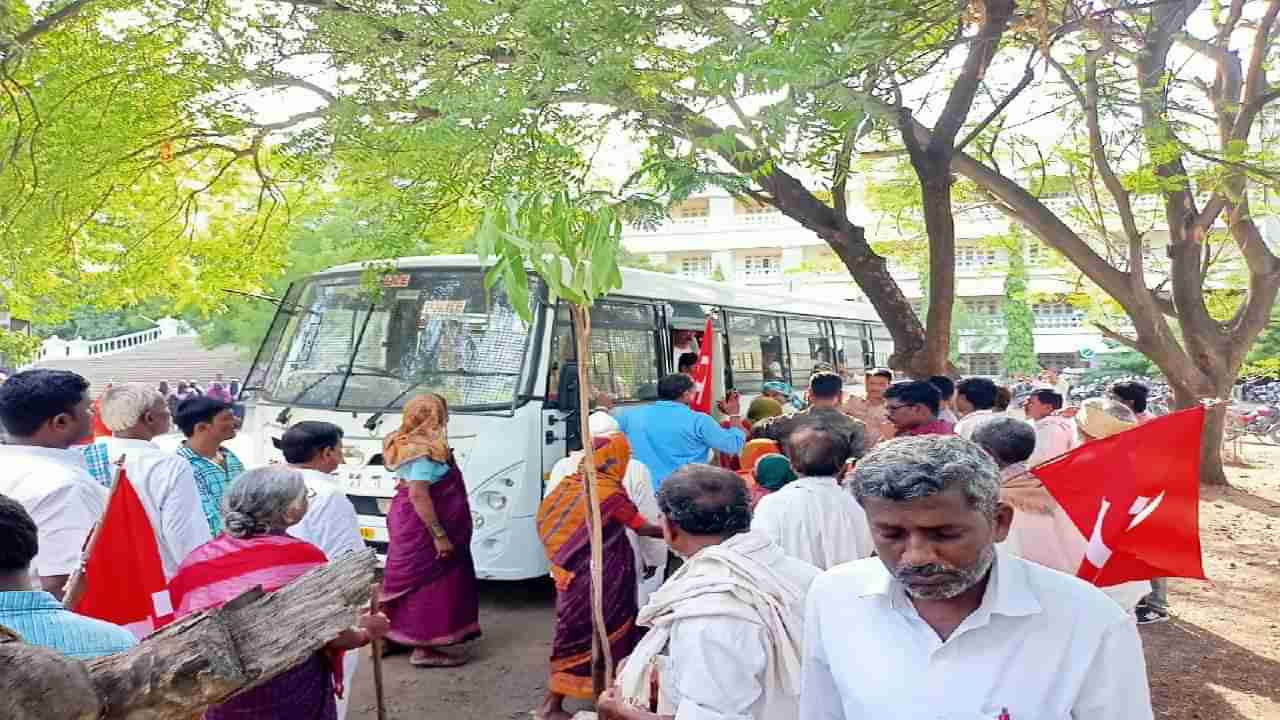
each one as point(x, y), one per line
point(352, 347)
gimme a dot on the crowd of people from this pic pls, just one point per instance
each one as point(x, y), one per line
point(888, 555)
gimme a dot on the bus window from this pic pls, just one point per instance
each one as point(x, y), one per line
point(756, 351)
point(852, 351)
point(881, 345)
point(624, 351)
point(810, 346)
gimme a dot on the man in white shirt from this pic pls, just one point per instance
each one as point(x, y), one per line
point(136, 413)
point(942, 624)
point(314, 449)
point(650, 553)
point(45, 412)
point(1055, 434)
point(975, 404)
point(729, 621)
point(814, 519)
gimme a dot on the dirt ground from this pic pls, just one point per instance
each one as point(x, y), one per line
point(1218, 659)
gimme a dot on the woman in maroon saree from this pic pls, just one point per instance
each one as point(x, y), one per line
point(429, 585)
point(562, 527)
point(254, 551)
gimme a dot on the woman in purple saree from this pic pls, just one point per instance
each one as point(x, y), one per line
point(429, 585)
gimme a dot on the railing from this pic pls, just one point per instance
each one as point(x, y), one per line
point(124, 342)
point(56, 348)
point(719, 223)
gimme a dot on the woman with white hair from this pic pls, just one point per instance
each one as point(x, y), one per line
point(650, 553)
point(255, 551)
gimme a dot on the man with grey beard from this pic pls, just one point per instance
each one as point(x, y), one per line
point(942, 624)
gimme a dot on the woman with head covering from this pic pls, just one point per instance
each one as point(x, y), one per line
point(762, 410)
point(429, 584)
point(255, 551)
point(563, 528)
point(772, 473)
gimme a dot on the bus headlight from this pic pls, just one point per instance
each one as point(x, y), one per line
point(384, 505)
point(495, 501)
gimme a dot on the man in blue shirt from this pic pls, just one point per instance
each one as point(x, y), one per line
point(37, 617)
point(669, 434)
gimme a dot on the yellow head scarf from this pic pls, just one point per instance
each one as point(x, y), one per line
point(423, 433)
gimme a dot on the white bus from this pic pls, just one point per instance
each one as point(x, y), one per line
point(340, 353)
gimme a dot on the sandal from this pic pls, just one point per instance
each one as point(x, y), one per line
point(435, 660)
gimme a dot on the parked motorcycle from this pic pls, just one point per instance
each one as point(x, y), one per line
point(1258, 420)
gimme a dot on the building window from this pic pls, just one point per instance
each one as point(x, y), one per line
point(1057, 315)
point(988, 364)
point(696, 266)
point(971, 257)
point(757, 266)
point(988, 311)
point(749, 211)
point(1037, 253)
point(693, 210)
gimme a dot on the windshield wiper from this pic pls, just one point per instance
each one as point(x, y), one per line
point(283, 417)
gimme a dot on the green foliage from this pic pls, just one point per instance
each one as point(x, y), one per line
point(1267, 347)
point(1019, 350)
point(92, 324)
point(570, 241)
point(17, 349)
point(345, 234)
point(1121, 361)
point(1267, 367)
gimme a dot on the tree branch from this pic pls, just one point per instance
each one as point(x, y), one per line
point(1110, 334)
point(52, 20)
point(1028, 74)
point(981, 50)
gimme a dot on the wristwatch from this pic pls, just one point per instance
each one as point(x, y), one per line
point(437, 530)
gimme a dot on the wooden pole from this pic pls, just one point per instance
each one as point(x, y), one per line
point(376, 651)
point(600, 680)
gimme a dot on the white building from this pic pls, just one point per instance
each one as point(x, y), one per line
point(719, 237)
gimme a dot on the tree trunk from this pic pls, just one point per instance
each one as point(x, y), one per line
point(199, 661)
point(601, 657)
point(934, 170)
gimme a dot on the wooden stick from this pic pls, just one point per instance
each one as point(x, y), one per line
point(376, 647)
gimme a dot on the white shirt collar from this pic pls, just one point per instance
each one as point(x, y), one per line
point(69, 456)
point(1008, 592)
point(130, 443)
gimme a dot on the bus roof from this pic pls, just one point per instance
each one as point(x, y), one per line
point(662, 286)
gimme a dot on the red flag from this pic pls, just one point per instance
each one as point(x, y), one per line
point(1136, 497)
point(123, 576)
point(703, 372)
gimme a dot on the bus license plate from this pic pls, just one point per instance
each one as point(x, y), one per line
point(366, 533)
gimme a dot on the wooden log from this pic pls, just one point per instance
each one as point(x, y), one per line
point(206, 658)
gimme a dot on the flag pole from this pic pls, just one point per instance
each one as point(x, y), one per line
point(376, 650)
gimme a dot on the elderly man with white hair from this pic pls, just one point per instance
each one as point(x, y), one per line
point(136, 413)
point(975, 631)
point(650, 553)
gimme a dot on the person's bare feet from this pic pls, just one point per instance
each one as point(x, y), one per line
point(552, 708)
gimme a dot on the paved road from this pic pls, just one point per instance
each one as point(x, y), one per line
point(505, 680)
